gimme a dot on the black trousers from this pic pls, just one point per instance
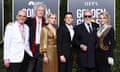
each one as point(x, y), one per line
point(67, 66)
point(104, 69)
point(83, 69)
point(20, 67)
point(35, 64)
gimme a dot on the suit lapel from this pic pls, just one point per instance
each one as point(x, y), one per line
point(26, 33)
point(66, 29)
point(34, 27)
point(93, 27)
point(33, 30)
point(84, 28)
point(18, 31)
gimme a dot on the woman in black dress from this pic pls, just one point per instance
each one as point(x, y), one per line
point(106, 43)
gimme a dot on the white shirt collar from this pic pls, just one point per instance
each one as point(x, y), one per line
point(86, 24)
point(37, 19)
point(69, 26)
point(87, 27)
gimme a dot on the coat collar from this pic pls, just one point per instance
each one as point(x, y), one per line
point(18, 30)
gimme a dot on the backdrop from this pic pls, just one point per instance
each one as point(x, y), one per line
point(52, 5)
point(96, 6)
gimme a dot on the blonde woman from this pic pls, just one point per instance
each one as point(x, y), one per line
point(48, 45)
point(106, 42)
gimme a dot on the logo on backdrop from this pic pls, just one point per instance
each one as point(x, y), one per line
point(96, 6)
point(30, 11)
point(29, 4)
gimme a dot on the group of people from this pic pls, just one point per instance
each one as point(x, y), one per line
point(31, 45)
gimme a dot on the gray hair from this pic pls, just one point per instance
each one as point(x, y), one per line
point(22, 10)
point(87, 10)
point(37, 5)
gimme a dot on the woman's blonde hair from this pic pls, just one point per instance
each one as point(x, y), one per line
point(49, 15)
point(106, 14)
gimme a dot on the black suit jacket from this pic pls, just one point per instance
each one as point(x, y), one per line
point(31, 22)
point(82, 36)
point(64, 43)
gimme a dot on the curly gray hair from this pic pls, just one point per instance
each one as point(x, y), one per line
point(37, 5)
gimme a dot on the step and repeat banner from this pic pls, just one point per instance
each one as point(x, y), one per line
point(52, 5)
point(77, 7)
point(1, 20)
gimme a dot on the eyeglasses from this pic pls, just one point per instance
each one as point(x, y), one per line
point(22, 16)
point(87, 16)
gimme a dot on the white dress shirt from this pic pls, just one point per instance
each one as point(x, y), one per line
point(38, 29)
point(71, 30)
point(87, 27)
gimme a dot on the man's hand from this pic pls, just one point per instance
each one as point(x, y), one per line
point(6, 63)
point(45, 59)
point(62, 59)
point(83, 47)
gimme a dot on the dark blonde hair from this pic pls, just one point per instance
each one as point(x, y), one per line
point(106, 14)
point(49, 15)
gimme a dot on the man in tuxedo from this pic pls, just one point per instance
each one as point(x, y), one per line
point(85, 39)
point(35, 24)
point(16, 44)
point(65, 35)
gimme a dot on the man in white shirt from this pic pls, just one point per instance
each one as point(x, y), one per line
point(65, 37)
point(16, 44)
point(35, 24)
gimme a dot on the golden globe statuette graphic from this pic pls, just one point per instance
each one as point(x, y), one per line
point(93, 20)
